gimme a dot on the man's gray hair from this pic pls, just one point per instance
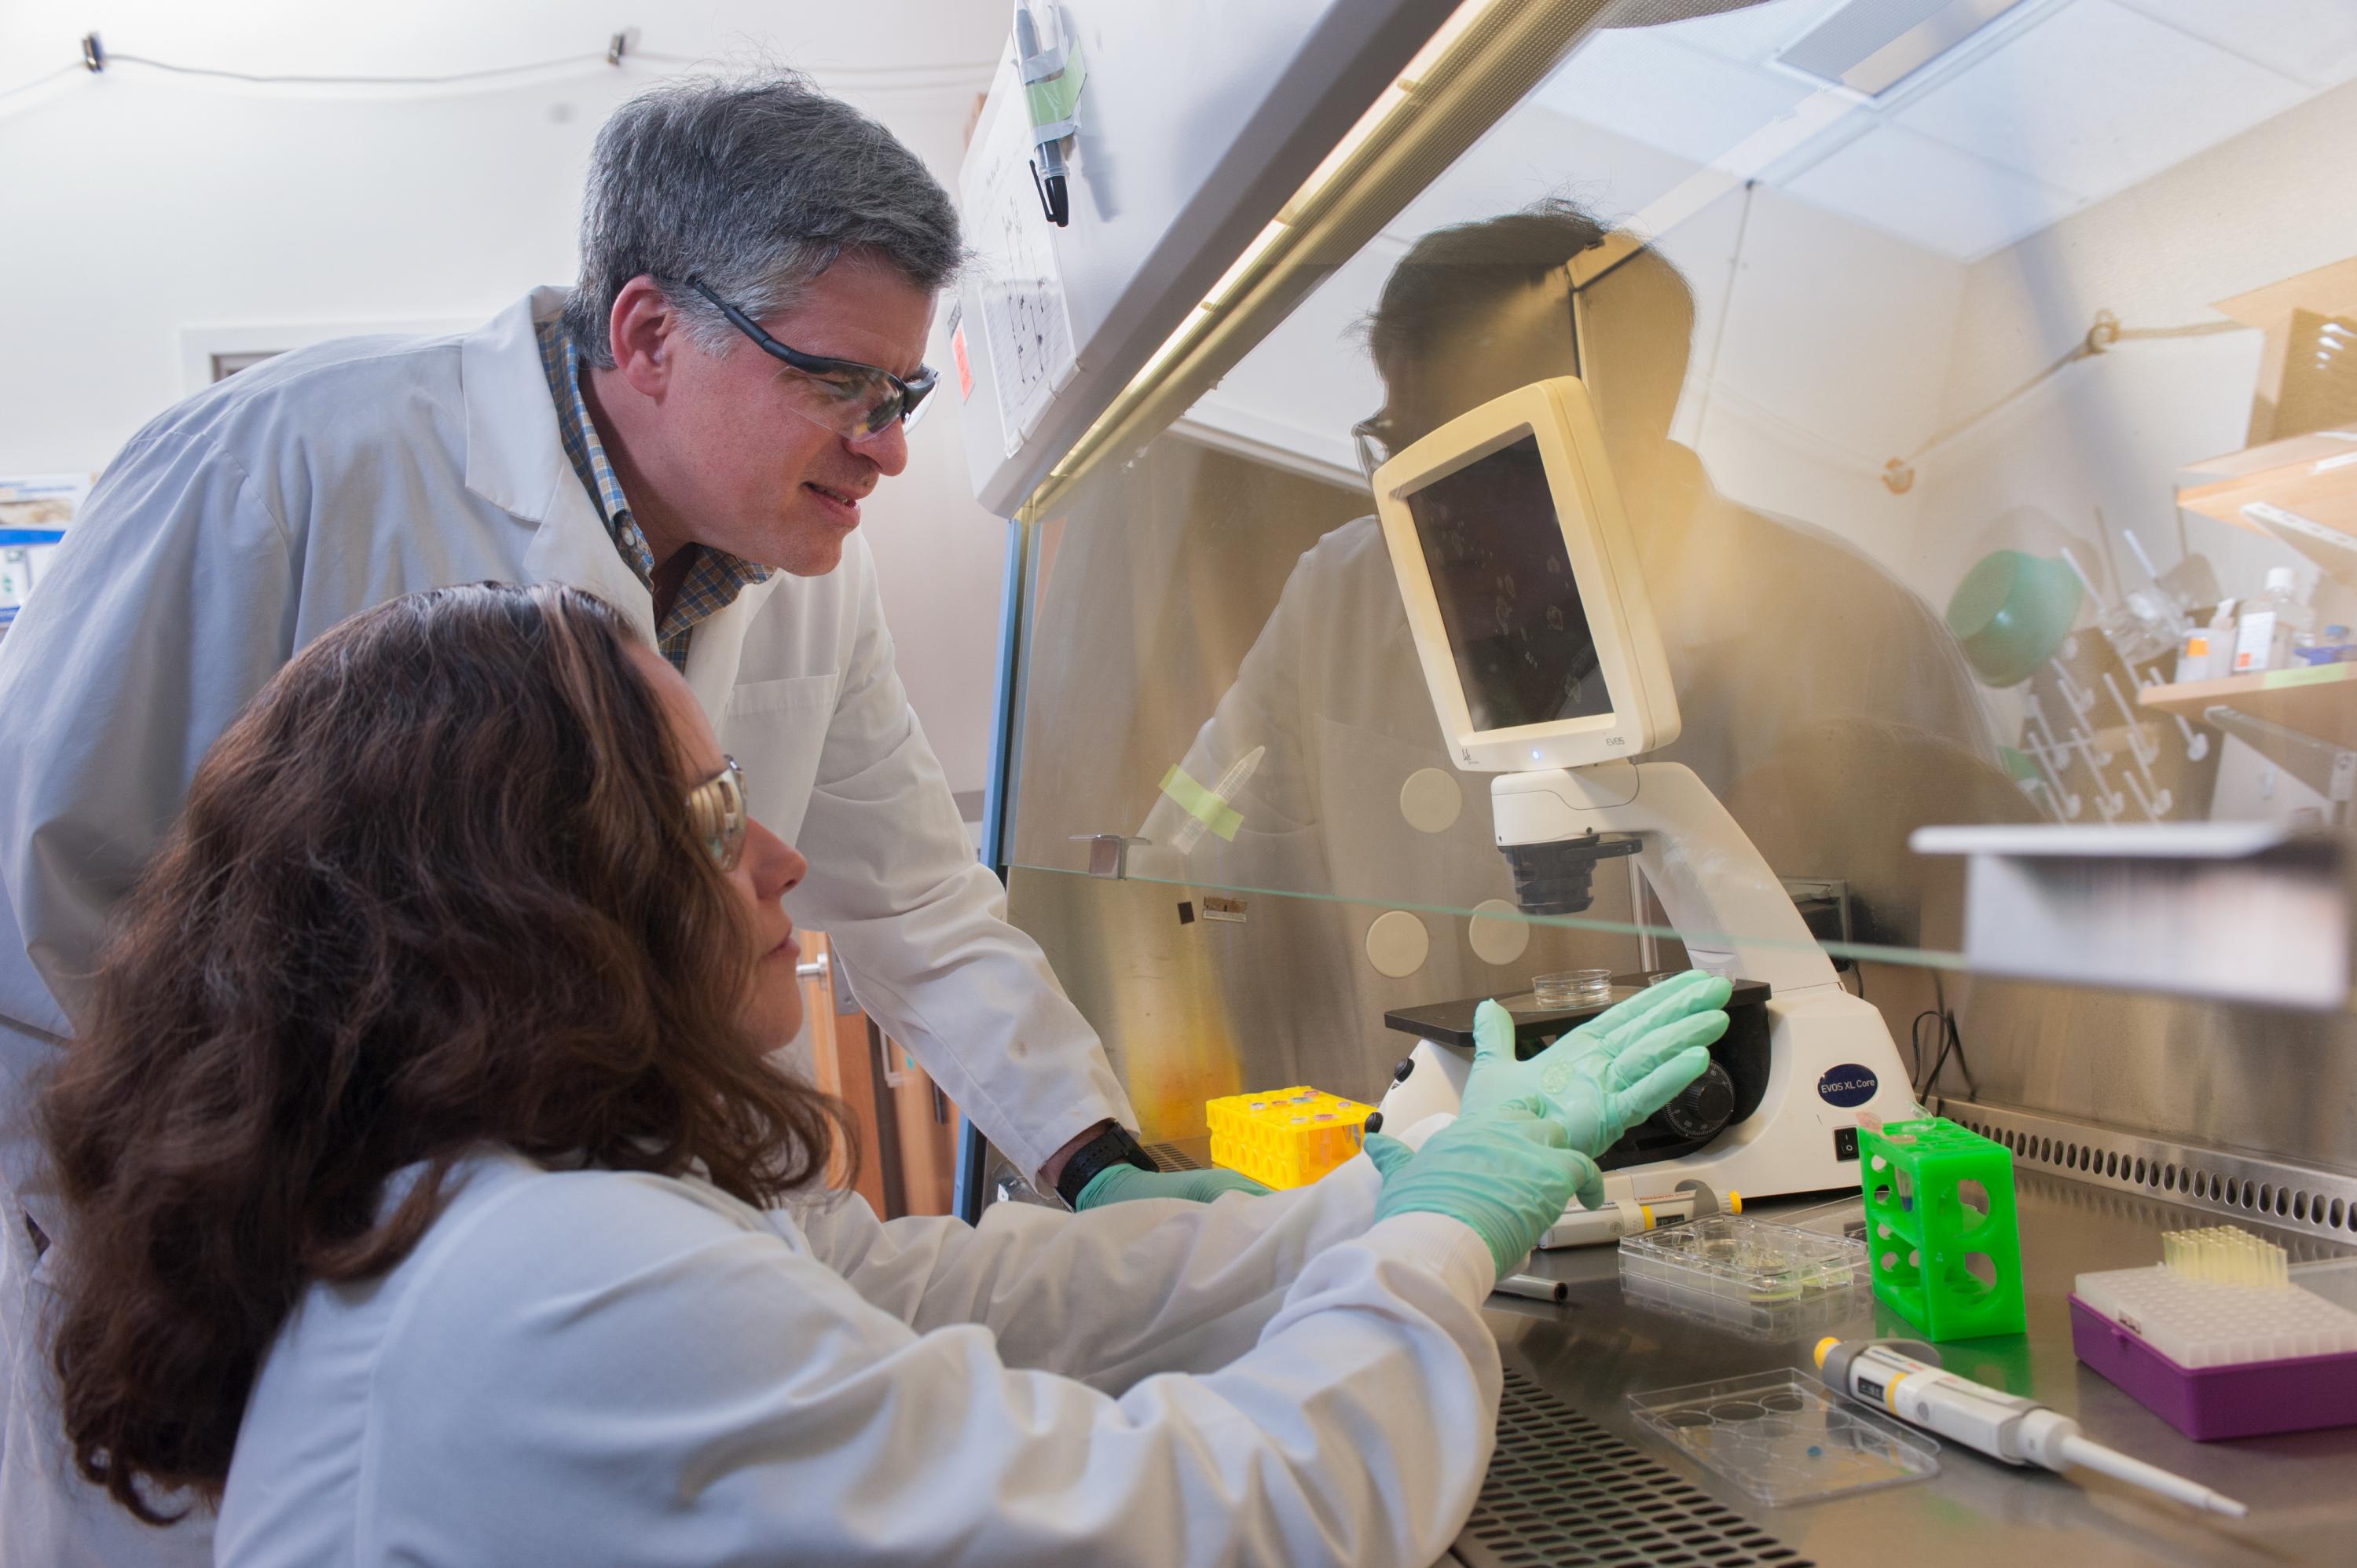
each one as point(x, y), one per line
point(755, 187)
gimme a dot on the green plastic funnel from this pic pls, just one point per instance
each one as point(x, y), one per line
point(2011, 612)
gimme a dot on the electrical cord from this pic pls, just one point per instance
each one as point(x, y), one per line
point(1956, 1035)
point(2101, 338)
point(1951, 1041)
point(41, 81)
point(114, 58)
point(960, 71)
point(96, 58)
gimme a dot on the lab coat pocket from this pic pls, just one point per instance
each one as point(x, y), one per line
point(776, 730)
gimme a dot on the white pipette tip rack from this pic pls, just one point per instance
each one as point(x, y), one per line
point(2199, 1323)
point(2217, 1340)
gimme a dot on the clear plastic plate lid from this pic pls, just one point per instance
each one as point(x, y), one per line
point(1783, 1437)
point(1735, 1256)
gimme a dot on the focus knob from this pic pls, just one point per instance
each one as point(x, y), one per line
point(1702, 1107)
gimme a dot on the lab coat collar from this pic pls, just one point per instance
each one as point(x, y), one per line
point(515, 460)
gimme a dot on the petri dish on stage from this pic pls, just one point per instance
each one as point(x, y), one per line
point(1573, 988)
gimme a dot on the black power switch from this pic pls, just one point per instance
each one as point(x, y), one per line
point(1845, 1143)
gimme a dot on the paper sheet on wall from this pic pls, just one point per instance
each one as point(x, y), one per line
point(34, 510)
point(1025, 320)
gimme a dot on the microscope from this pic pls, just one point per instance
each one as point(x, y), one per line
point(1544, 664)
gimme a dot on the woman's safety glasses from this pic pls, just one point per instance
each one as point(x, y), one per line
point(852, 400)
point(716, 809)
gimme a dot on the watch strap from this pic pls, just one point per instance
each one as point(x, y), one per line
point(1115, 1146)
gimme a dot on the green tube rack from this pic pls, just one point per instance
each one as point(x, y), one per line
point(1943, 1237)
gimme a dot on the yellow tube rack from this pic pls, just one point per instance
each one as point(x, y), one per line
point(1285, 1137)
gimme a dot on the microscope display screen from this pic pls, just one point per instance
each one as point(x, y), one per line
point(1508, 600)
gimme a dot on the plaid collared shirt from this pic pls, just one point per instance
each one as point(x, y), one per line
point(714, 579)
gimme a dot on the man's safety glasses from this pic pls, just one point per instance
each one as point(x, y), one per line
point(716, 808)
point(852, 400)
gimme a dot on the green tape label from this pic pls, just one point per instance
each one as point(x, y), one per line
point(2312, 675)
point(1201, 803)
point(1052, 104)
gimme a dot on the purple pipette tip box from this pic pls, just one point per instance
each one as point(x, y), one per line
point(2248, 1399)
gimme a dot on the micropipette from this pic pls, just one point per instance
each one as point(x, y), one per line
point(2018, 1431)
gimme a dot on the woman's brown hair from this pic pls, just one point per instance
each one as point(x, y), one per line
point(436, 889)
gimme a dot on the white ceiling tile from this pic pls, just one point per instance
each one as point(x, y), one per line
point(2097, 97)
point(1928, 193)
point(1535, 153)
point(1650, 89)
point(2312, 41)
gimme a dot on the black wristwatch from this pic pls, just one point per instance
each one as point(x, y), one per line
point(1114, 1146)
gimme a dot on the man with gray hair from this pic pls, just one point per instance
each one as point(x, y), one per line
point(688, 433)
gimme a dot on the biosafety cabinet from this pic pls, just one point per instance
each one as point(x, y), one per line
point(1978, 382)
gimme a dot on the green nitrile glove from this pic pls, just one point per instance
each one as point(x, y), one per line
point(1388, 1153)
point(1506, 1173)
point(1612, 1072)
point(1126, 1183)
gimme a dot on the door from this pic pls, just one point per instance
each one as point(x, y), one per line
point(904, 1127)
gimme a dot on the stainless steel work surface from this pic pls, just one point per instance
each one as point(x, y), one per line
point(2302, 1488)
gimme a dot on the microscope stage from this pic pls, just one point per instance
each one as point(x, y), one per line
point(1451, 1023)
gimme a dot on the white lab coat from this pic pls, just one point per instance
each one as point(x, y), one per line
point(598, 1366)
point(241, 524)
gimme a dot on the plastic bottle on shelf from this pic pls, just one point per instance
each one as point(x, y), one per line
point(2207, 652)
point(2263, 637)
point(2193, 655)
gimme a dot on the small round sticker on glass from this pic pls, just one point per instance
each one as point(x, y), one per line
point(1847, 1085)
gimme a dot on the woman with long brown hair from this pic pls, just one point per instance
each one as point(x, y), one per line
point(435, 1200)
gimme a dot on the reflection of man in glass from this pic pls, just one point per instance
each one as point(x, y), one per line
point(1820, 699)
point(1769, 624)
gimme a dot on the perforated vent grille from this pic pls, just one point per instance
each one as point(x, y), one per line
point(2275, 1192)
point(1177, 1156)
point(1564, 1492)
